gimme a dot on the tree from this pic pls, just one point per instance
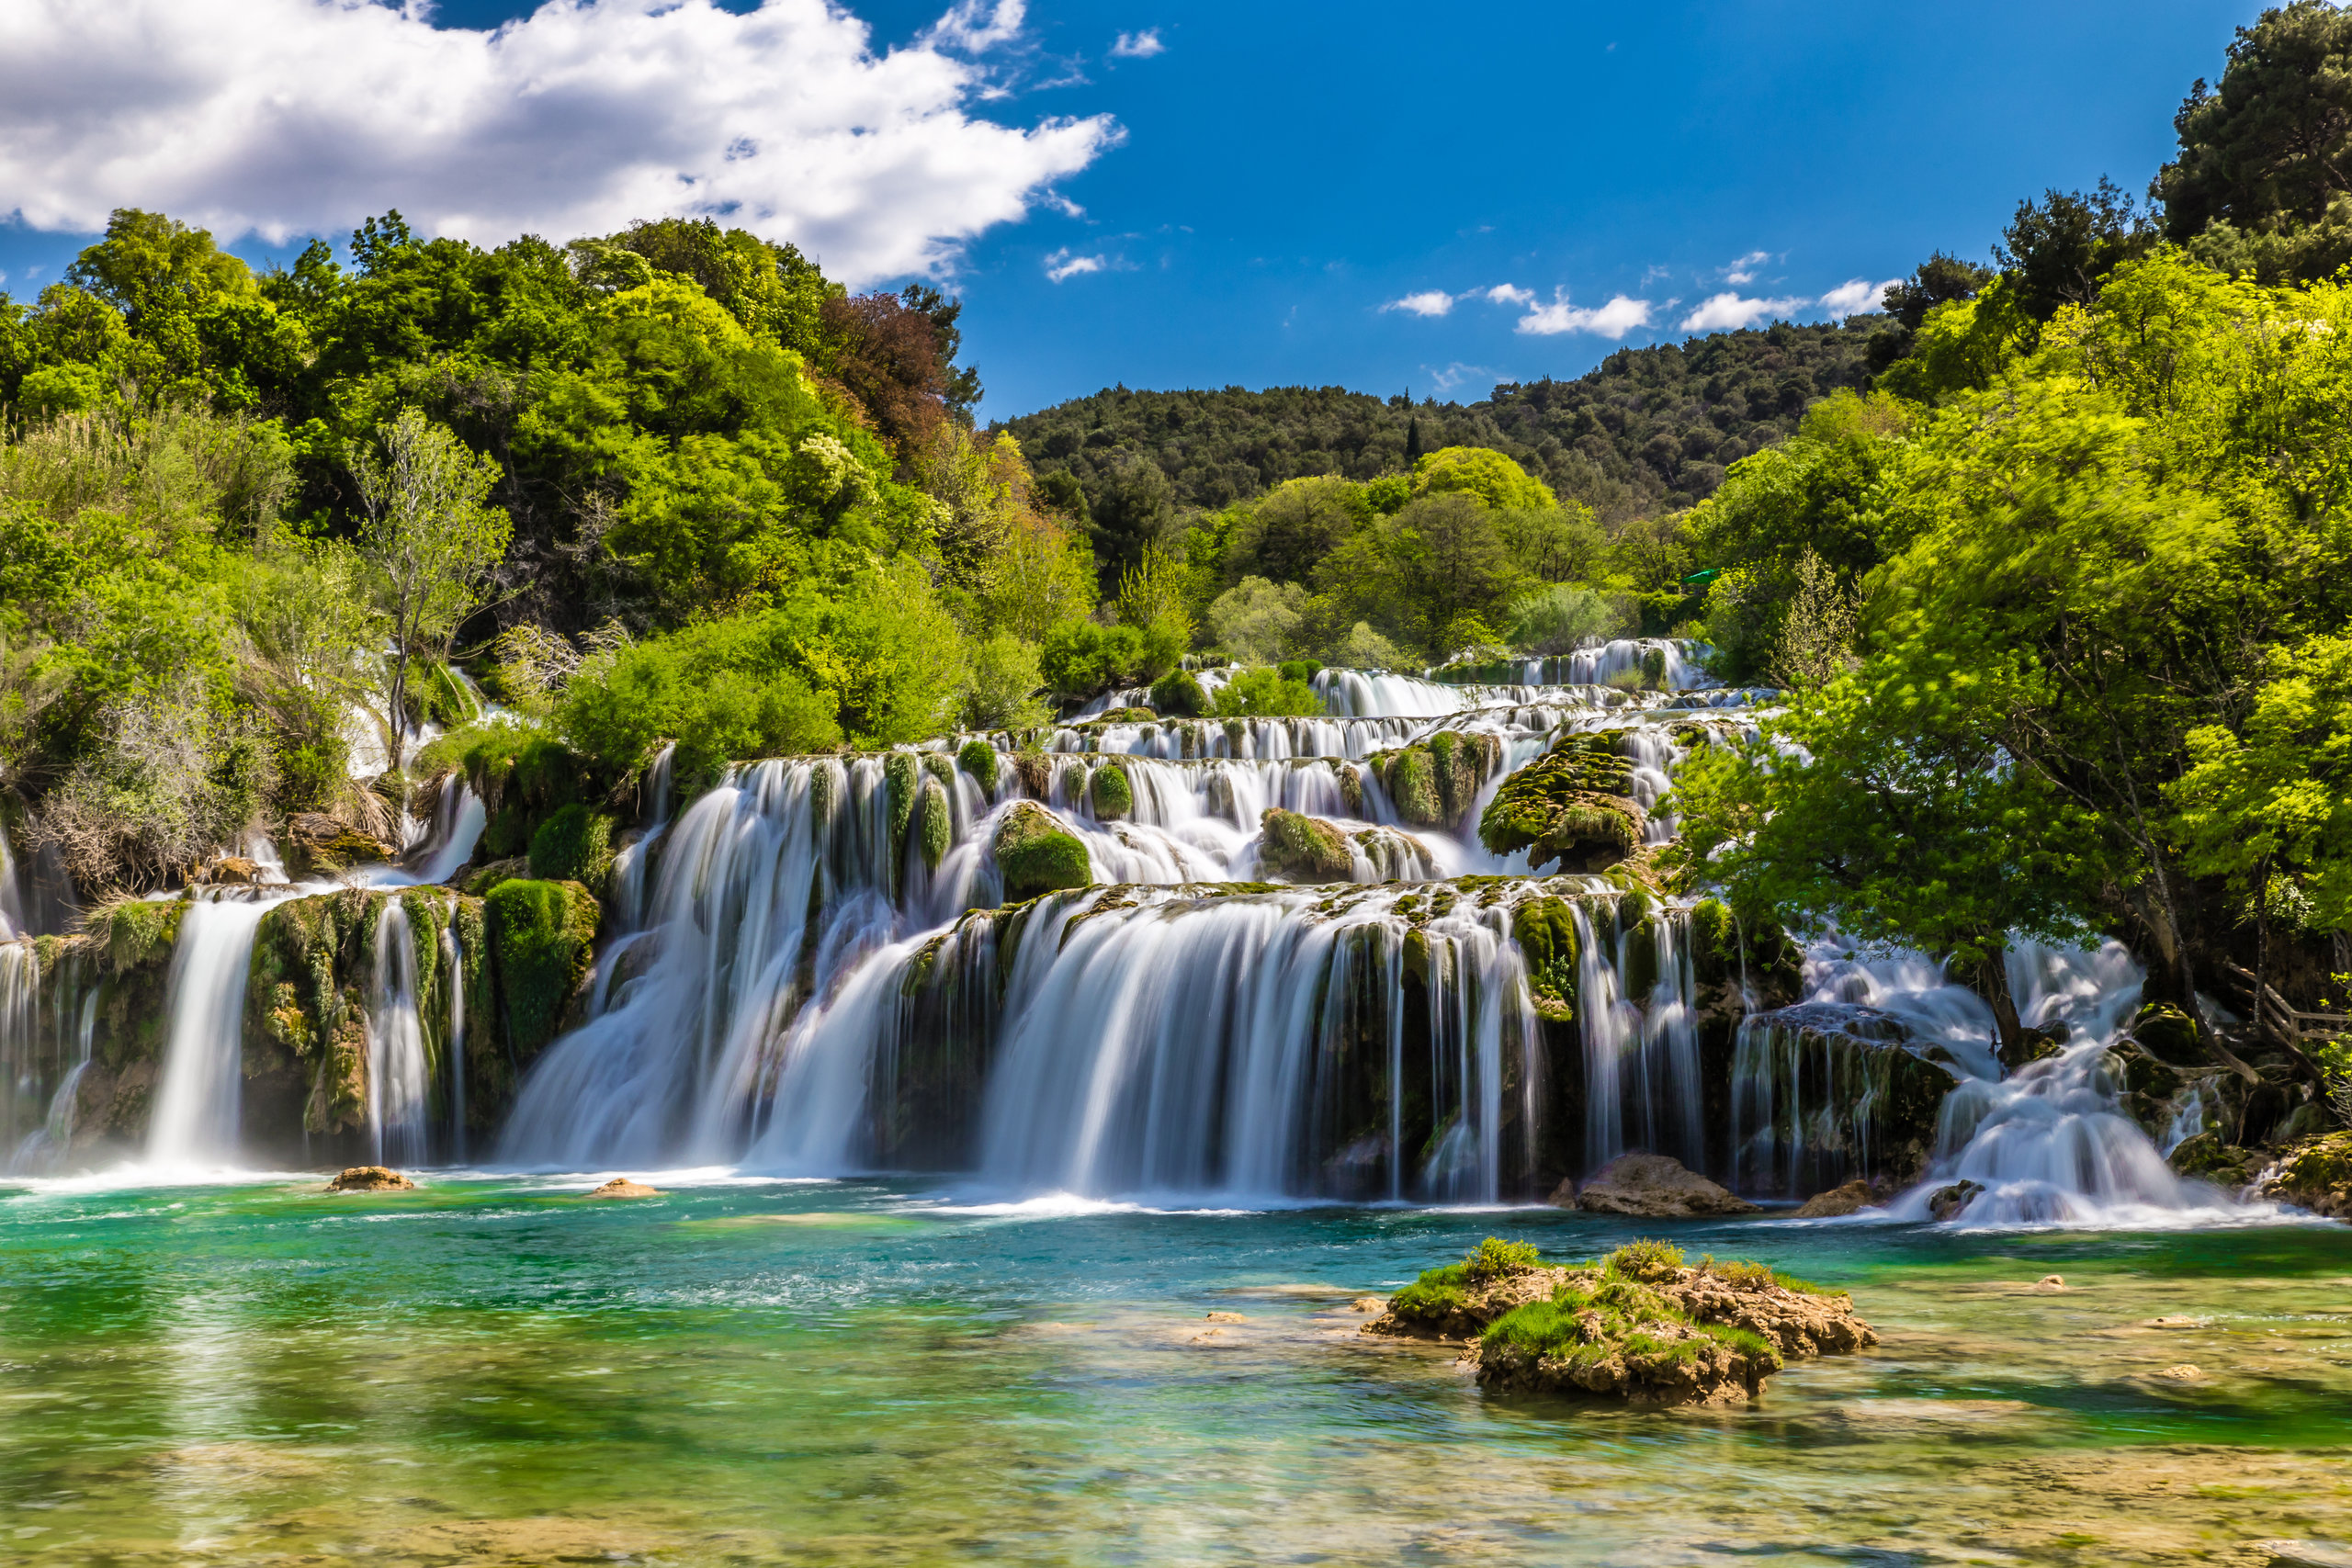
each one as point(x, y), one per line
point(1133, 511)
point(432, 535)
point(2272, 145)
point(887, 357)
point(2058, 250)
point(1286, 533)
point(1939, 280)
point(1449, 561)
point(1257, 621)
point(1489, 475)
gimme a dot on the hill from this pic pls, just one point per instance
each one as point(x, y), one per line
point(1648, 430)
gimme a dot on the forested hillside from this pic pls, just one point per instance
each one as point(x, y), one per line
point(1649, 429)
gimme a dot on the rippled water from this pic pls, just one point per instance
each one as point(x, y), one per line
point(490, 1370)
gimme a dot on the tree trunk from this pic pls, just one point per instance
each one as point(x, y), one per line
point(1989, 978)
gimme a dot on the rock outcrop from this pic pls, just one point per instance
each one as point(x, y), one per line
point(1036, 854)
point(622, 1187)
point(1296, 848)
point(1637, 1326)
point(370, 1178)
point(1652, 1186)
point(1838, 1201)
point(2316, 1175)
point(1571, 808)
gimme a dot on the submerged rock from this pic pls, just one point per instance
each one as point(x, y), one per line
point(1950, 1202)
point(369, 1179)
point(1635, 1325)
point(2314, 1175)
point(1837, 1201)
point(2205, 1157)
point(622, 1187)
point(1655, 1187)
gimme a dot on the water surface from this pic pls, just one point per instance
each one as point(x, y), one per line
point(493, 1371)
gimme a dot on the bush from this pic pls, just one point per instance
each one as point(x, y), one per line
point(1003, 684)
point(1562, 618)
point(1257, 620)
point(1082, 660)
point(979, 759)
point(540, 934)
point(1178, 695)
point(720, 691)
point(1299, 668)
point(1496, 1257)
point(574, 845)
point(1264, 693)
point(1644, 1261)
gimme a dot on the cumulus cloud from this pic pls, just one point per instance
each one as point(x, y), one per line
point(1728, 312)
point(1510, 294)
point(1139, 46)
point(1429, 302)
point(1623, 314)
point(975, 26)
point(1744, 269)
point(1061, 264)
point(290, 117)
point(1856, 297)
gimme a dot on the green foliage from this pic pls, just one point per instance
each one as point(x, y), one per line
point(979, 759)
point(1495, 1259)
point(1483, 473)
point(540, 934)
point(574, 845)
point(1000, 691)
point(1644, 1261)
point(1083, 659)
point(1560, 618)
point(1108, 788)
point(1036, 855)
point(1257, 621)
point(1264, 693)
point(1302, 849)
point(1649, 429)
point(1178, 695)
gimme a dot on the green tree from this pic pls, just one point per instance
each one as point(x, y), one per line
point(433, 536)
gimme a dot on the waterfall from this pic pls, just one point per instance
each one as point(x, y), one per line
point(196, 1115)
point(1642, 1084)
point(12, 909)
point(453, 966)
point(397, 1071)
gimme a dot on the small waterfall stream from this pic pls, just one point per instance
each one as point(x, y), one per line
point(397, 1071)
point(195, 1117)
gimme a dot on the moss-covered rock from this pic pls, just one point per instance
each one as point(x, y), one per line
point(935, 823)
point(522, 777)
point(539, 935)
point(2207, 1157)
point(1434, 782)
point(1637, 1326)
point(2316, 1175)
point(315, 845)
point(476, 883)
point(574, 845)
point(1296, 848)
point(1111, 795)
point(1572, 807)
point(979, 759)
point(1035, 854)
point(1545, 930)
point(2168, 1035)
point(1178, 695)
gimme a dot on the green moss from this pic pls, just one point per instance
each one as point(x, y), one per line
point(1108, 788)
point(1179, 695)
point(1545, 930)
point(540, 934)
point(978, 758)
point(1641, 961)
point(141, 932)
point(574, 845)
point(937, 825)
point(1573, 806)
point(1303, 848)
point(1411, 778)
point(1034, 855)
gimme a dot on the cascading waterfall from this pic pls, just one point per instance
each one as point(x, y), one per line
point(398, 1072)
point(195, 1117)
point(1643, 1082)
point(453, 961)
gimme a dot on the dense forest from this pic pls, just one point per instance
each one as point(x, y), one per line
point(2050, 556)
point(1650, 429)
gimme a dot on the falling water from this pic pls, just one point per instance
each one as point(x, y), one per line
point(196, 1114)
point(453, 966)
point(397, 1071)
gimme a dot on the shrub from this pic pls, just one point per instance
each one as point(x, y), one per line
point(1109, 789)
point(720, 691)
point(1082, 660)
point(1264, 693)
point(978, 758)
point(1178, 695)
point(1644, 1259)
point(1496, 1257)
point(1299, 668)
point(574, 845)
point(1561, 617)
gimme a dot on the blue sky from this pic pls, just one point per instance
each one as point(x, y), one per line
point(1280, 176)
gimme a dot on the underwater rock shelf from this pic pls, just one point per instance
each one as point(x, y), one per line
point(1637, 1326)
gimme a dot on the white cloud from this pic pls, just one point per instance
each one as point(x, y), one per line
point(1061, 264)
point(1431, 302)
point(1614, 320)
point(1744, 269)
point(1510, 294)
point(290, 116)
point(1455, 374)
point(1728, 312)
point(1139, 46)
point(975, 26)
point(1856, 297)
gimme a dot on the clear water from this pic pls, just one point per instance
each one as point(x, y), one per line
point(492, 1371)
